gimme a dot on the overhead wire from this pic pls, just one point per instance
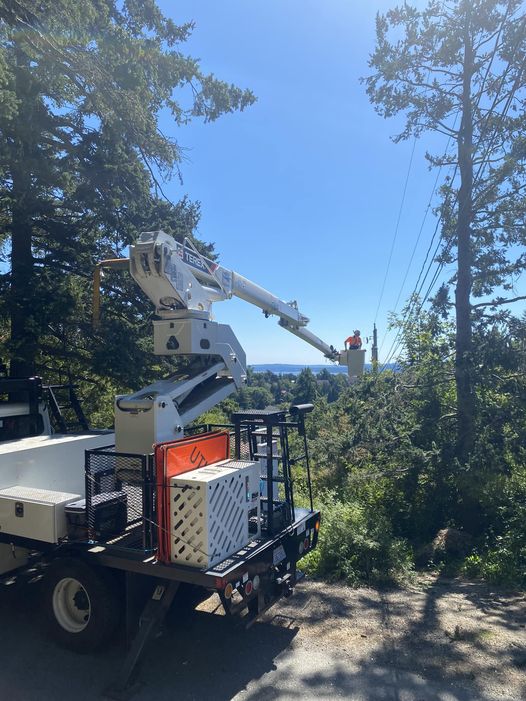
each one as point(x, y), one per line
point(397, 226)
point(420, 280)
point(420, 230)
point(483, 163)
point(420, 234)
point(504, 112)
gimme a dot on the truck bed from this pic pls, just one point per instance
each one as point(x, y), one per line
point(253, 558)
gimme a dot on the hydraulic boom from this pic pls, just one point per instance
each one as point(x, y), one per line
point(183, 285)
point(175, 276)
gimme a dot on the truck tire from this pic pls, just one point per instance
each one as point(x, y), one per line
point(82, 607)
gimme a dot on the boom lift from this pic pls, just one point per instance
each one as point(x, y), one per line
point(183, 285)
point(167, 502)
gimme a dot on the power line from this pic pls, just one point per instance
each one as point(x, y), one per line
point(420, 232)
point(416, 291)
point(396, 229)
point(502, 115)
point(483, 163)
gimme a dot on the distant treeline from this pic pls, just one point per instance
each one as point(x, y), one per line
point(266, 388)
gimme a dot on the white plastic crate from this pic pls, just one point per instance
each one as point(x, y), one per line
point(209, 511)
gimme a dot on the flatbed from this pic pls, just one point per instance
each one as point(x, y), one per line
point(280, 551)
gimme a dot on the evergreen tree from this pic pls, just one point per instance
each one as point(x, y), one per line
point(305, 388)
point(82, 161)
point(458, 69)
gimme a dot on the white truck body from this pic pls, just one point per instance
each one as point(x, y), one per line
point(53, 462)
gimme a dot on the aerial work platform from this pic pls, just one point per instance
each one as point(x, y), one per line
point(354, 359)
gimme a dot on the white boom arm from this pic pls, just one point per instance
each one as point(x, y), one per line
point(183, 285)
point(175, 276)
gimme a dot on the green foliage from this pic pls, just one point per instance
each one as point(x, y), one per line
point(501, 558)
point(357, 545)
point(279, 386)
point(421, 69)
point(385, 450)
point(254, 397)
point(82, 165)
point(305, 388)
point(456, 69)
point(502, 565)
point(217, 415)
point(265, 389)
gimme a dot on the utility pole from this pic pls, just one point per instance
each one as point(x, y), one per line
point(374, 350)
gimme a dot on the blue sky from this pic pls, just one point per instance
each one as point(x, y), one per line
point(301, 192)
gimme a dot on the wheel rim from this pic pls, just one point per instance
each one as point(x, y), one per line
point(71, 605)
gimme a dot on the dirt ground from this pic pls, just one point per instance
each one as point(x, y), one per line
point(463, 633)
point(438, 640)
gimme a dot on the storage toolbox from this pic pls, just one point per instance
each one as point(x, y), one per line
point(38, 514)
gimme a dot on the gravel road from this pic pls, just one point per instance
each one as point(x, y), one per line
point(435, 641)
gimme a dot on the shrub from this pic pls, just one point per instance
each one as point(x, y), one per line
point(505, 564)
point(356, 546)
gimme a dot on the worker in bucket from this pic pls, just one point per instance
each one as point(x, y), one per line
point(354, 342)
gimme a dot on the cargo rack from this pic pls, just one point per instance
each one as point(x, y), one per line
point(260, 435)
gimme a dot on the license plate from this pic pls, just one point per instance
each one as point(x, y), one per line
point(301, 528)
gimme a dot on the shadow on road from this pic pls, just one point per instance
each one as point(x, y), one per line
point(362, 645)
point(204, 656)
point(409, 654)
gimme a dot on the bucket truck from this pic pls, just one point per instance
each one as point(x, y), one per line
point(123, 521)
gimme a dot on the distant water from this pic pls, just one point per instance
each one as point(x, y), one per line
point(285, 369)
point(290, 369)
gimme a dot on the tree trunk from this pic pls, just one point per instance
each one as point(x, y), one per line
point(24, 325)
point(24, 339)
point(463, 340)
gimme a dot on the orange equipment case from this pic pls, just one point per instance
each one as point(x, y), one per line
point(175, 457)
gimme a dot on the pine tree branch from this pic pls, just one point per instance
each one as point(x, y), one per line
point(498, 302)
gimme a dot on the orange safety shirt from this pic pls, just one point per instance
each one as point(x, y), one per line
point(354, 341)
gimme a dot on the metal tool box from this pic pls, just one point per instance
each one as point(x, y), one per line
point(32, 513)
